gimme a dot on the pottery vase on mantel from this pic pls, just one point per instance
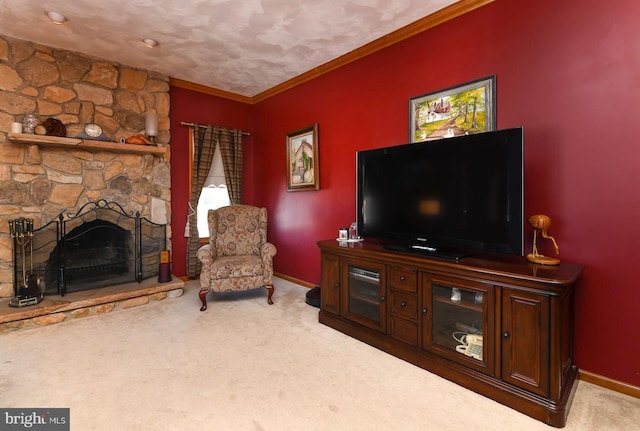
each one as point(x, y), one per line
point(29, 123)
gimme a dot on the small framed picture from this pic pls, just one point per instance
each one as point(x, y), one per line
point(460, 110)
point(302, 159)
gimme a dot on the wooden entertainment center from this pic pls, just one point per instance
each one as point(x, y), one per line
point(422, 310)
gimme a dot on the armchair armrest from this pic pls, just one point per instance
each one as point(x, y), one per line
point(207, 255)
point(267, 251)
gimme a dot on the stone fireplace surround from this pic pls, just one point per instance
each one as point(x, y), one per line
point(100, 245)
point(40, 182)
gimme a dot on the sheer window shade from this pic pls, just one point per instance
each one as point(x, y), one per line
point(214, 193)
point(216, 173)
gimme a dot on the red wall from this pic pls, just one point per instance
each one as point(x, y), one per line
point(194, 107)
point(567, 71)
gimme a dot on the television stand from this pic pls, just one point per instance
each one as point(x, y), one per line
point(517, 317)
point(423, 250)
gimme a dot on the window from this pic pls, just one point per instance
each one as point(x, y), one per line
point(214, 193)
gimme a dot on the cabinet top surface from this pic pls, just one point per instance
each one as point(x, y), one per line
point(510, 266)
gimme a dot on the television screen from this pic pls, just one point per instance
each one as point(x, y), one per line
point(459, 194)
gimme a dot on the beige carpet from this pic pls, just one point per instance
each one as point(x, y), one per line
point(245, 365)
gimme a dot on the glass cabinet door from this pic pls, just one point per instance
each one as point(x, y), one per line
point(364, 293)
point(456, 321)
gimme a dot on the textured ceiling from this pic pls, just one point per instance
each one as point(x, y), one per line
point(240, 46)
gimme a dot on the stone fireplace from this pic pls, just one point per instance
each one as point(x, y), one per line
point(41, 182)
point(100, 245)
point(94, 261)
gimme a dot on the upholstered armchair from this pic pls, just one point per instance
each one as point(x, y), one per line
point(238, 256)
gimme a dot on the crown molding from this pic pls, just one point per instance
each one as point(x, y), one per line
point(455, 10)
point(448, 13)
point(187, 85)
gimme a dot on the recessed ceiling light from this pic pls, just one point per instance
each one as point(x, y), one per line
point(55, 17)
point(151, 43)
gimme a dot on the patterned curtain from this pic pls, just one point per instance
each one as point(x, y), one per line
point(205, 139)
point(231, 152)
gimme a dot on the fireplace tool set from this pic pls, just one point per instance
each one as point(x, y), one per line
point(27, 290)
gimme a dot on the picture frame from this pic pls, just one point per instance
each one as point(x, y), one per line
point(302, 159)
point(463, 109)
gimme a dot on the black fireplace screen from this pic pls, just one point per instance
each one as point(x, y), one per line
point(100, 245)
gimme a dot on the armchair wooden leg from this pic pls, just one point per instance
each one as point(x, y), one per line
point(203, 298)
point(270, 289)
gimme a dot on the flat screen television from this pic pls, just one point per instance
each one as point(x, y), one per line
point(449, 197)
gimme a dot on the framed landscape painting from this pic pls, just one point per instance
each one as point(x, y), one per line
point(460, 110)
point(302, 159)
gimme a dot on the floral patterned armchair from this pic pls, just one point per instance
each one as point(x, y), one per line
point(238, 256)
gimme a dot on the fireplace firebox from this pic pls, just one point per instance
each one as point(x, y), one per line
point(99, 245)
point(94, 253)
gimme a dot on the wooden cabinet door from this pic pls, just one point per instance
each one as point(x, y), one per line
point(525, 340)
point(330, 288)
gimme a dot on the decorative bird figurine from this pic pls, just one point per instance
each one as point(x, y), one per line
point(540, 224)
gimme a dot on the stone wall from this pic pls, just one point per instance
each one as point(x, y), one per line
point(41, 182)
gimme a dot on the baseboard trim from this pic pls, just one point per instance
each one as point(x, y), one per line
point(294, 280)
point(608, 383)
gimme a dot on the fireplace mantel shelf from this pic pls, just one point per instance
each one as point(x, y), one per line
point(85, 144)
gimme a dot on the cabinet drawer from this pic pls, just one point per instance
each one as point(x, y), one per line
point(404, 330)
point(404, 279)
point(404, 305)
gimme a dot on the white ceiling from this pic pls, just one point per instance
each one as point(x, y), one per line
point(240, 46)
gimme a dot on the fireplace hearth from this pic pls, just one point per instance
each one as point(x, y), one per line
point(99, 245)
